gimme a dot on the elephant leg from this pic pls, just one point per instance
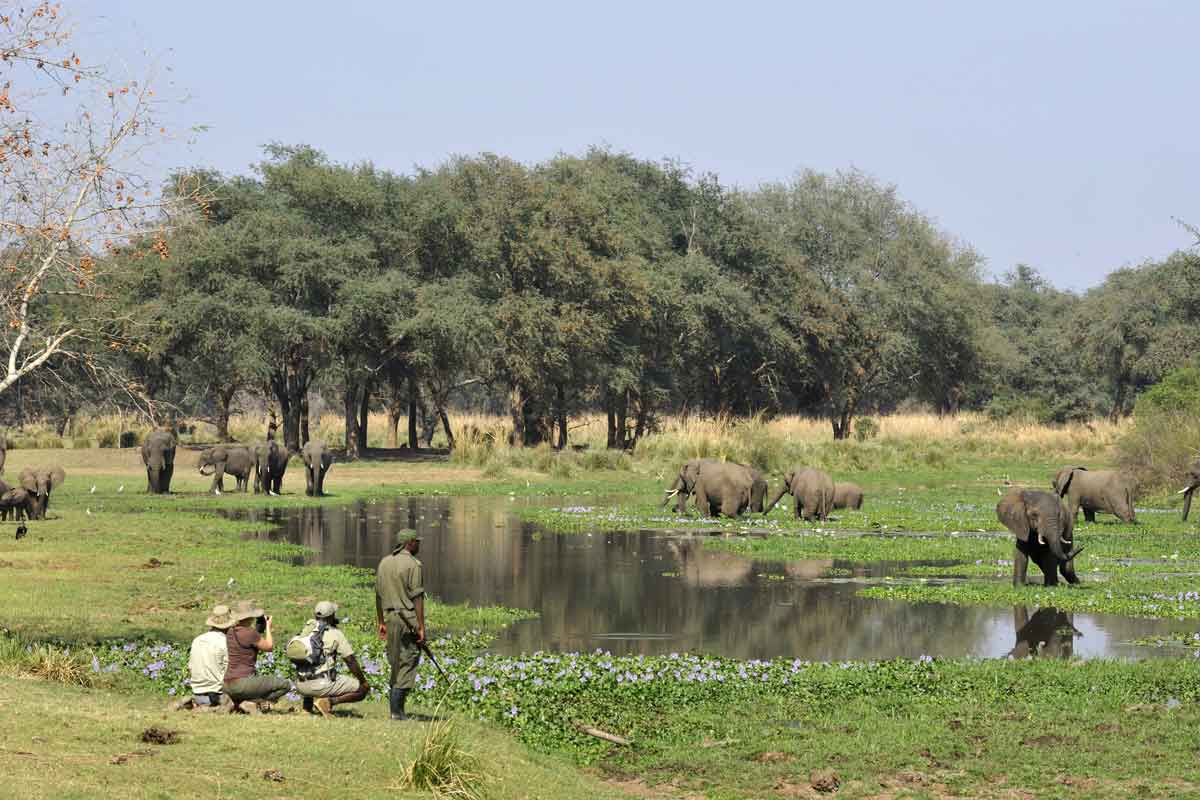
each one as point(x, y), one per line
point(149, 481)
point(167, 473)
point(310, 483)
point(1089, 514)
point(1020, 567)
point(798, 505)
point(1049, 566)
point(218, 484)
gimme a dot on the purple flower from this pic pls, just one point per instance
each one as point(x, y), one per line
point(130, 647)
point(171, 691)
point(512, 712)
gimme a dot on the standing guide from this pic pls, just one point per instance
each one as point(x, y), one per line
point(400, 611)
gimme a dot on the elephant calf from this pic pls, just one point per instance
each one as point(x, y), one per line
point(18, 502)
point(847, 495)
point(1103, 490)
point(812, 490)
point(1043, 527)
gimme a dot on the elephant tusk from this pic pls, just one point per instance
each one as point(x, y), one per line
point(672, 494)
point(1186, 490)
point(1071, 555)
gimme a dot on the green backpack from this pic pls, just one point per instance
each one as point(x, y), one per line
point(307, 653)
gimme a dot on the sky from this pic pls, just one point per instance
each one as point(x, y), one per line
point(1059, 135)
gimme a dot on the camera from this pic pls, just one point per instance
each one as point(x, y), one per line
point(261, 624)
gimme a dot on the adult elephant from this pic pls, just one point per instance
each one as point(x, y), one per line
point(158, 454)
point(1193, 483)
point(270, 462)
point(684, 485)
point(17, 502)
point(225, 459)
point(724, 488)
point(847, 495)
point(317, 460)
point(1103, 490)
point(39, 482)
point(1044, 528)
point(812, 490)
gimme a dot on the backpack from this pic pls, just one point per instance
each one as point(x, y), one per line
point(307, 653)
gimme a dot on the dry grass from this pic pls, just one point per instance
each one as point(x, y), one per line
point(441, 765)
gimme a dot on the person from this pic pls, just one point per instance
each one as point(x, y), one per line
point(400, 612)
point(245, 642)
point(208, 659)
point(322, 686)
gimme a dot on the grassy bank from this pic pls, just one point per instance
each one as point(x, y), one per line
point(141, 571)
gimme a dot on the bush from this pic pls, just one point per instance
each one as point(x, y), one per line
point(441, 765)
point(1178, 392)
point(865, 428)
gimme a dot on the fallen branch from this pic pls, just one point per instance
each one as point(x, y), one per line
point(605, 735)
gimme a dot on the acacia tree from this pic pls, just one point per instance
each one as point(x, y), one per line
point(71, 134)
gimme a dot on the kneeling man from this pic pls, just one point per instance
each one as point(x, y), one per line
point(316, 665)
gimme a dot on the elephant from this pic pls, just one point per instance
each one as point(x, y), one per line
point(39, 482)
point(1103, 490)
point(1193, 482)
point(225, 459)
point(725, 488)
point(17, 501)
point(158, 454)
point(317, 461)
point(685, 483)
point(847, 495)
point(812, 490)
point(1049, 632)
point(1044, 528)
point(270, 462)
point(3, 452)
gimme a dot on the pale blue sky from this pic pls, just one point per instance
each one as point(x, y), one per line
point(1063, 135)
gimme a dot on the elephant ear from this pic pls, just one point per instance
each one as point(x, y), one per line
point(28, 480)
point(57, 476)
point(1062, 491)
point(1013, 512)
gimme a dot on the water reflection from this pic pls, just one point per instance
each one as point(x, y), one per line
point(1049, 633)
point(652, 592)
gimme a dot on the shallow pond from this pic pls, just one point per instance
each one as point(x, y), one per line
point(655, 592)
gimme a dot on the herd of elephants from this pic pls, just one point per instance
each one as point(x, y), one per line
point(1042, 522)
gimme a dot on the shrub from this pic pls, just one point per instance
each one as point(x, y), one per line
point(1177, 392)
point(865, 428)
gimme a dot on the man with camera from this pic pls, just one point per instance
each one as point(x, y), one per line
point(251, 635)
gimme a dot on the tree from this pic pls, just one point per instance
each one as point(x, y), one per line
point(71, 134)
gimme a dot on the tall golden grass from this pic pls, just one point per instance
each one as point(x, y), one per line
point(482, 440)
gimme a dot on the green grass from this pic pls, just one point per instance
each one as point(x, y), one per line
point(972, 728)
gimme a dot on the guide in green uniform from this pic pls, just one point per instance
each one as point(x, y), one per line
point(400, 611)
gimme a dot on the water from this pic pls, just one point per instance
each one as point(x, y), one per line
point(655, 592)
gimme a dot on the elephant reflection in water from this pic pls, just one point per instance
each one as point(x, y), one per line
point(1048, 633)
point(701, 567)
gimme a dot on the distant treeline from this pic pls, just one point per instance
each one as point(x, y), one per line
point(596, 282)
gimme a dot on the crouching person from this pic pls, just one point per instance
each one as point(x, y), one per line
point(249, 636)
point(208, 659)
point(315, 653)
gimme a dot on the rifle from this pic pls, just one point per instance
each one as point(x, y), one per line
point(424, 647)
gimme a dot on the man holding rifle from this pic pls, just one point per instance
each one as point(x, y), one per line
point(400, 611)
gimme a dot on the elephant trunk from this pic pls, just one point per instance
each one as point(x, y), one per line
point(1187, 499)
point(775, 499)
point(210, 467)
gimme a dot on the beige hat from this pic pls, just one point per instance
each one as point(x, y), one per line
point(220, 618)
point(403, 537)
point(325, 610)
point(245, 609)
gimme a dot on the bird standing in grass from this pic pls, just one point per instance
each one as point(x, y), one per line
point(21, 530)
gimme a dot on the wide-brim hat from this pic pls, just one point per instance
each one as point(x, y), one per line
point(246, 609)
point(220, 618)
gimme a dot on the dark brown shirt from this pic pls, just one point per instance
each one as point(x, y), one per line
point(240, 641)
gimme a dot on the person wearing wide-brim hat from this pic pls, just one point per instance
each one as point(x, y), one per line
point(208, 659)
point(400, 612)
point(242, 681)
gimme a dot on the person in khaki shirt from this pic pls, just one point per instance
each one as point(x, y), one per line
point(323, 687)
point(400, 610)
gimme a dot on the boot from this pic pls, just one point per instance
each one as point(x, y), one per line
point(396, 700)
